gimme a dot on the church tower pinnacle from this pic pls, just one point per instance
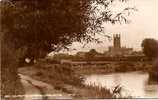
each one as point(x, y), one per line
point(117, 41)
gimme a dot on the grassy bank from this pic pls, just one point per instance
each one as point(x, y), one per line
point(65, 78)
point(113, 67)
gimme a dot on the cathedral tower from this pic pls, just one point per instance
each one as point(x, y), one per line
point(117, 41)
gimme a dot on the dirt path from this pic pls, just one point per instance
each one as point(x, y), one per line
point(39, 90)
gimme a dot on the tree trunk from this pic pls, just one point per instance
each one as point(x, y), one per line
point(10, 81)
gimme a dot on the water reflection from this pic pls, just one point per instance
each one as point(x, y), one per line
point(134, 84)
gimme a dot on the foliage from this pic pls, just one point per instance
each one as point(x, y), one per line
point(48, 25)
point(150, 47)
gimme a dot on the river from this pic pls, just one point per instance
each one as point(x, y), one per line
point(133, 84)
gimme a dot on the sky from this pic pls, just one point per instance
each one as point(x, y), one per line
point(144, 24)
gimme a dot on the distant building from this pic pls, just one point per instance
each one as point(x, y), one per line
point(116, 49)
point(117, 41)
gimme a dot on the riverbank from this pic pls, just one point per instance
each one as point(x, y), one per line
point(65, 79)
point(115, 67)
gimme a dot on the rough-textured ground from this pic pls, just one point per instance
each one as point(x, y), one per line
point(35, 89)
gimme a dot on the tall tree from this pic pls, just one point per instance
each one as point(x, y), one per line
point(33, 26)
point(150, 47)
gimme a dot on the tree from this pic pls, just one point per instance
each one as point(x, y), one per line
point(150, 47)
point(91, 54)
point(33, 26)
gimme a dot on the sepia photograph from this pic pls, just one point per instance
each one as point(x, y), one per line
point(78, 49)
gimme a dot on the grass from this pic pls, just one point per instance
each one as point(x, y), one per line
point(92, 91)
